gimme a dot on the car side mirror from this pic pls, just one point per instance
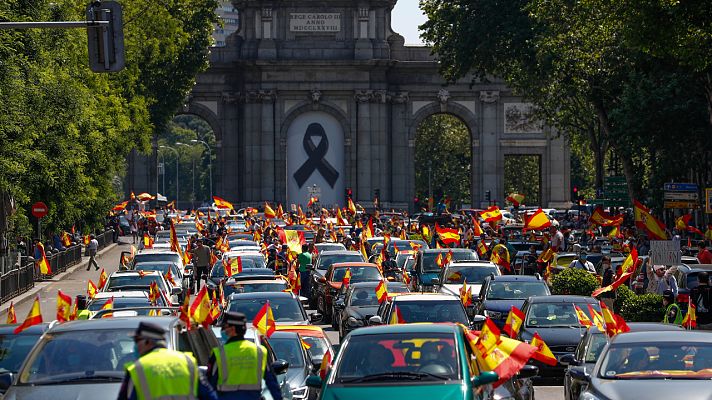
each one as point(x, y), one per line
point(568, 359)
point(485, 378)
point(176, 291)
point(528, 371)
point(478, 319)
point(315, 317)
point(280, 367)
point(314, 381)
point(375, 320)
point(5, 381)
point(579, 373)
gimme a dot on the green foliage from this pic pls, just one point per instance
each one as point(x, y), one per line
point(623, 296)
point(443, 141)
point(522, 174)
point(574, 281)
point(644, 308)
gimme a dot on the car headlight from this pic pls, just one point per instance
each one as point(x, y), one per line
point(354, 322)
point(300, 392)
point(493, 314)
point(589, 396)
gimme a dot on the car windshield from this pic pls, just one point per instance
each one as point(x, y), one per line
point(515, 290)
point(432, 311)
point(363, 297)
point(122, 282)
point(405, 245)
point(397, 358)
point(258, 261)
point(284, 309)
point(565, 261)
point(595, 347)
point(477, 274)
point(330, 246)
point(218, 270)
point(555, 314)
point(121, 302)
point(273, 286)
point(152, 257)
point(97, 355)
point(160, 267)
point(288, 349)
point(429, 264)
point(14, 349)
point(325, 261)
point(317, 347)
point(658, 360)
point(358, 274)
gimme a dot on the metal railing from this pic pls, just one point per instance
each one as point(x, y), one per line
point(17, 281)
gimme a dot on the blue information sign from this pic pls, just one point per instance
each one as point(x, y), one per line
point(680, 187)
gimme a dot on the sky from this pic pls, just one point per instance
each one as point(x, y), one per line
point(405, 19)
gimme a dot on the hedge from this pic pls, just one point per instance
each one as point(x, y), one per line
point(574, 281)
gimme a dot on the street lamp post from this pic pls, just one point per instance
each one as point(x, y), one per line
point(163, 173)
point(192, 160)
point(210, 164)
point(177, 157)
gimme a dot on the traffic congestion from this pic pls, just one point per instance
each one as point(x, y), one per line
point(346, 303)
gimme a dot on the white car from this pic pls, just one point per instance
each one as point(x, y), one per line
point(256, 256)
point(120, 281)
point(474, 272)
point(124, 299)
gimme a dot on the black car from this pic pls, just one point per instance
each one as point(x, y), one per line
point(359, 303)
point(590, 348)
point(288, 346)
point(499, 293)
point(286, 308)
point(652, 365)
point(686, 276)
point(322, 263)
point(217, 273)
point(554, 319)
point(15, 347)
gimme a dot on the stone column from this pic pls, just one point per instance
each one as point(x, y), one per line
point(267, 47)
point(489, 146)
point(227, 181)
point(363, 146)
point(268, 147)
point(363, 48)
point(400, 192)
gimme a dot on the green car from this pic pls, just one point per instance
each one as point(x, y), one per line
point(409, 361)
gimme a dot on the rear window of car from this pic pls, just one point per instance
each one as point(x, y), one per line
point(358, 274)
point(284, 309)
point(327, 260)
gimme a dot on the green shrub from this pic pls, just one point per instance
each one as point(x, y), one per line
point(643, 308)
point(623, 296)
point(574, 281)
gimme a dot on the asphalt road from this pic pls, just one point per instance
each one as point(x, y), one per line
point(76, 283)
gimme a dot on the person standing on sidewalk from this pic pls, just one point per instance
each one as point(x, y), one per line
point(92, 249)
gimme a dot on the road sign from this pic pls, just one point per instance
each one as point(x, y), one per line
point(680, 187)
point(39, 209)
point(708, 200)
point(681, 204)
point(665, 252)
point(684, 196)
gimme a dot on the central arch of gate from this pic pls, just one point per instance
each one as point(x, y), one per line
point(313, 96)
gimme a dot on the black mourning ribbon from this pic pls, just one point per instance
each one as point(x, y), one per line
point(316, 160)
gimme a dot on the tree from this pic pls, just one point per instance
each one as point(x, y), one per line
point(522, 174)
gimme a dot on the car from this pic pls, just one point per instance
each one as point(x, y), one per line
point(358, 304)
point(286, 308)
point(243, 245)
point(163, 267)
point(651, 365)
point(325, 246)
point(289, 346)
point(87, 358)
point(426, 269)
point(124, 299)
point(474, 273)
point(315, 339)
point(330, 284)
point(686, 276)
point(404, 245)
point(15, 346)
point(322, 263)
point(154, 255)
point(589, 349)
point(499, 293)
point(411, 361)
point(138, 280)
point(400, 308)
point(554, 319)
point(217, 273)
point(275, 284)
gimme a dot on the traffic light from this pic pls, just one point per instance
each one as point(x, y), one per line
point(106, 41)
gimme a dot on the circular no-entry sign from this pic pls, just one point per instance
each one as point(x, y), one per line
point(39, 209)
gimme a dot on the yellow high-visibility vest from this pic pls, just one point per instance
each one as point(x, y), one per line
point(241, 366)
point(165, 374)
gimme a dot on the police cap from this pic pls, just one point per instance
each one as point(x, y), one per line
point(235, 318)
point(149, 330)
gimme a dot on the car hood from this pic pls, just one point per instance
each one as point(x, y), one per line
point(653, 389)
point(361, 312)
point(65, 392)
point(502, 306)
point(455, 289)
point(396, 391)
point(555, 337)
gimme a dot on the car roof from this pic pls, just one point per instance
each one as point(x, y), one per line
point(653, 326)
point(284, 335)
point(562, 298)
point(157, 251)
point(699, 267)
point(261, 295)
point(338, 252)
point(405, 328)
point(254, 281)
point(119, 294)
point(447, 249)
point(669, 336)
point(424, 297)
point(471, 263)
point(8, 329)
point(134, 272)
point(514, 278)
point(353, 264)
point(166, 322)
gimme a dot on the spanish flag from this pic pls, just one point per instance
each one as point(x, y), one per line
point(11, 317)
point(690, 320)
point(145, 197)
point(362, 248)
point(64, 306)
point(514, 322)
point(645, 220)
point(447, 235)
point(515, 198)
point(683, 223)
point(476, 228)
point(506, 358)
point(500, 256)
point(175, 246)
point(185, 311)
point(200, 309)
point(66, 239)
point(381, 291)
point(465, 294)
point(264, 321)
point(269, 212)
point(34, 317)
point(86, 239)
point(147, 241)
point(489, 338)
point(340, 218)
point(351, 206)
point(233, 266)
point(222, 203)
point(121, 206)
point(613, 322)
point(396, 317)
point(628, 271)
point(42, 263)
point(602, 218)
point(294, 240)
point(543, 352)
point(169, 276)
point(153, 293)
point(91, 289)
point(346, 281)
point(546, 255)
point(482, 248)
point(109, 305)
point(325, 365)
point(103, 278)
point(492, 214)
point(596, 318)
point(538, 220)
point(582, 317)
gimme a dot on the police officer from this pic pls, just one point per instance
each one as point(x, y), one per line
point(673, 315)
point(162, 373)
point(82, 311)
point(236, 369)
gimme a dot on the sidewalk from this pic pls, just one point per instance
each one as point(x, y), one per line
point(72, 282)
